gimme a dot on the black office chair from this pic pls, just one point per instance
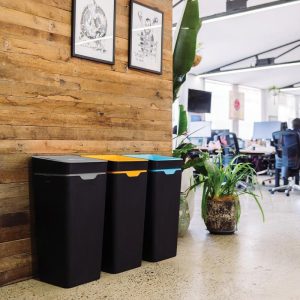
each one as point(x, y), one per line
point(230, 146)
point(230, 149)
point(274, 165)
point(287, 144)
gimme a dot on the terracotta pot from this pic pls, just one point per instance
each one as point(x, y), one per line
point(222, 215)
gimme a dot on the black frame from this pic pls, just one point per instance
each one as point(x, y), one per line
point(130, 38)
point(73, 37)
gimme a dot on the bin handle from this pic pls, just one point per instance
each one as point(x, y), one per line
point(134, 173)
point(166, 171)
point(89, 176)
point(130, 173)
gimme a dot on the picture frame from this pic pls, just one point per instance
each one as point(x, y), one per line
point(146, 38)
point(94, 30)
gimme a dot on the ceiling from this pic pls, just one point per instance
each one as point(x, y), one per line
point(224, 41)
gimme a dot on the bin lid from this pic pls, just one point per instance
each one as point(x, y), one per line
point(67, 164)
point(122, 163)
point(160, 162)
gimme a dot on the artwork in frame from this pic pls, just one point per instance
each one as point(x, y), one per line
point(93, 30)
point(146, 38)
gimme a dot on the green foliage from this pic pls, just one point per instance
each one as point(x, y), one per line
point(185, 48)
point(221, 182)
point(183, 149)
point(196, 162)
point(183, 122)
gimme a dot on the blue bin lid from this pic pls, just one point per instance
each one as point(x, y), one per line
point(160, 162)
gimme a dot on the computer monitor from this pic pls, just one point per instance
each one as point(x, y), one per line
point(218, 131)
point(199, 101)
point(200, 129)
point(264, 130)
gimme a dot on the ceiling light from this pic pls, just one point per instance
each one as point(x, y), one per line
point(290, 89)
point(251, 69)
point(248, 12)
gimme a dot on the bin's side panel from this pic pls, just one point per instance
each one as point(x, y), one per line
point(124, 222)
point(85, 229)
point(50, 194)
point(162, 213)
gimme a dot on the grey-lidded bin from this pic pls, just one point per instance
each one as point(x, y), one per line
point(69, 203)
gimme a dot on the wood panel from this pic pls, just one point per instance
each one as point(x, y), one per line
point(51, 102)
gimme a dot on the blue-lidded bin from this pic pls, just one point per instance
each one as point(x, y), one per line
point(162, 206)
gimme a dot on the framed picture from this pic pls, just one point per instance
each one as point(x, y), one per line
point(93, 30)
point(146, 38)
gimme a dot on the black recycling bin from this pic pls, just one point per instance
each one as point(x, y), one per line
point(162, 207)
point(69, 203)
point(124, 213)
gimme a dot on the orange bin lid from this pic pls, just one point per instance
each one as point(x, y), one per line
point(117, 163)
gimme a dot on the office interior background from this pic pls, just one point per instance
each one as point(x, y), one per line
point(249, 53)
point(245, 82)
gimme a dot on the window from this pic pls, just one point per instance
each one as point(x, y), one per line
point(219, 115)
point(252, 113)
point(287, 108)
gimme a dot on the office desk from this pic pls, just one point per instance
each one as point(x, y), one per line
point(261, 157)
point(259, 151)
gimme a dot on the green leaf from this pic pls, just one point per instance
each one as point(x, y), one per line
point(185, 48)
point(183, 122)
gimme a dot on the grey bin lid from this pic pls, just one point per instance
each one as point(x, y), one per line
point(67, 164)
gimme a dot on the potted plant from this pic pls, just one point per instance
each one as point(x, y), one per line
point(221, 195)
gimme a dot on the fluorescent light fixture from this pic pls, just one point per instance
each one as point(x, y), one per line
point(249, 12)
point(246, 70)
point(291, 89)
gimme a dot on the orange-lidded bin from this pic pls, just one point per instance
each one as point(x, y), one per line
point(124, 212)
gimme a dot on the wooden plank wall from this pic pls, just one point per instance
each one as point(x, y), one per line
point(53, 103)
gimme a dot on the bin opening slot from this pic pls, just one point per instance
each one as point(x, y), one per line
point(167, 171)
point(84, 176)
point(129, 173)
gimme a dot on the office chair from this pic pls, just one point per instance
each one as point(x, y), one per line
point(288, 160)
point(230, 146)
point(269, 160)
point(230, 149)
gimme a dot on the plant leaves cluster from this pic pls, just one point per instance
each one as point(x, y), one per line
point(221, 183)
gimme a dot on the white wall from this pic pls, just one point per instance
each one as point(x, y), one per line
point(284, 107)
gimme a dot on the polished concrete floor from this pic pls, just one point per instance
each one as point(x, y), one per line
point(260, 261)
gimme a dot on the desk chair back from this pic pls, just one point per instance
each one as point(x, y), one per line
point(230, 146)
point(290, 150)
point(277, 143)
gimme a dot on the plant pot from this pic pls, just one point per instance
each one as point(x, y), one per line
point(222, 215)
point(184, 216)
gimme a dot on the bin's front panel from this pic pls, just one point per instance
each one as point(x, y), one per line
point(69, 226)
point(162, 213)
point(50, 209)
point(124, 222)
point(86, 225)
